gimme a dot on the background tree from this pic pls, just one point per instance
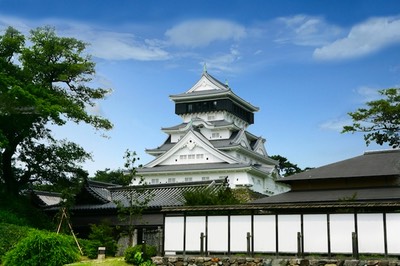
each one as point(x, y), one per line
point(210, 196)
point(286, 168)
point(43, 84)
point(380, 121)
point(118, 176)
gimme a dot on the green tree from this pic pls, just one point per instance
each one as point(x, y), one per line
point(41, 84)
point(134, 200)
point(380, 120)
point(286, 168)
point(118, 176)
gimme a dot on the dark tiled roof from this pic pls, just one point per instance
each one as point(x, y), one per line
point(160, 195)
point(294, 208)
point(202, 93)
point(334, 195)
point(371, 164)
point(219, 144)
point(182, 125)
point(217, 123)
point(191, 167)
point(223, 90)
point(45, 198)
point(376, 163)
point(94, 192)
point(213, 79)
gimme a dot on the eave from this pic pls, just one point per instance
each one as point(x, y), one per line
point(193, 169)
point(323, 207)
point(213, 94)
point(199, 123)
point(250, 153)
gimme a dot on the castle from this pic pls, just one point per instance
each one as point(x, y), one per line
point(212, 142)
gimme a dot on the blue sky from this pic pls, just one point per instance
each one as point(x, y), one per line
point(305, 64)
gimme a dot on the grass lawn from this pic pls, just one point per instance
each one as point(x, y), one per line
point(107, 262)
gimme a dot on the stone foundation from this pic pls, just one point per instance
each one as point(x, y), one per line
point(244, 261)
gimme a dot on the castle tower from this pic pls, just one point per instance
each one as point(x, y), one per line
point(212, 142)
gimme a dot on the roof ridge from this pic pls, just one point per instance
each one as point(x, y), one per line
point(171, 185)
point(381, 151)
point(206, 74)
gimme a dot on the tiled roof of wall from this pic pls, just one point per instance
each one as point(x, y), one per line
point(160, 195)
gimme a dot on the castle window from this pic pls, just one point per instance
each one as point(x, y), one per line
point(188, 179)
point(191, 156)
point(182, 157)
point(199, 156)
point(171, 180)
point(215, 135)
point(154, 181)
point(204, 178)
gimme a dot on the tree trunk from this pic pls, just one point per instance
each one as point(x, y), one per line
point(10, 183)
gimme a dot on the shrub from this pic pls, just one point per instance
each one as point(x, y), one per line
point(10, 234)
point(42, 248)
point(135, 255)
point(101, 236)
point(90, 247)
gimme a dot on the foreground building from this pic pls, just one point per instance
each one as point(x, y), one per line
point(348, 207)
point(212, 142)
point(371, 179)
point(99, 202)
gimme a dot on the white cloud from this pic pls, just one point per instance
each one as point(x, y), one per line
point(199, 33)
point(306, 30)
point(111, 45)
point(103, 44)
point(368, 94)
point(123, 46)
point(335, 124)
point(363, 39)
point(224, 62)
point(19, 24)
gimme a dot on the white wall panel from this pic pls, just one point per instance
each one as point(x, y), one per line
point(288, 227)
point(240, 225)
point(393, 232)
point(341, 228)
point(217, 233)
point(370, 233)
point(173, 234)
point(194, 227)
point(264, 233)
point(315, 233)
